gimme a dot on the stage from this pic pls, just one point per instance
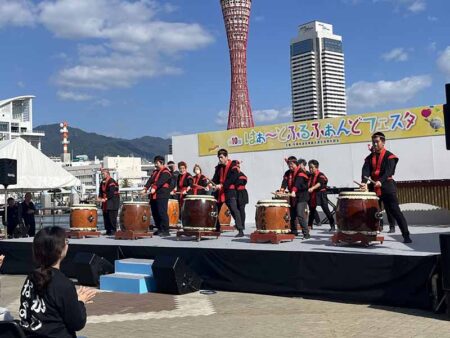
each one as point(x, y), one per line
point(391, 273)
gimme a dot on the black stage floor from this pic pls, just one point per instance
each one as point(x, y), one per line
point(391, 273)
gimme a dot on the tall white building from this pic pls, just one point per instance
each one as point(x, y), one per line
point(317, 73)
point(16, 120)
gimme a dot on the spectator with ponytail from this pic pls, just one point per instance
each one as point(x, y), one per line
point(50, 306)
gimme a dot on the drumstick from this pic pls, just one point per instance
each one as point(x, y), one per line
point(212, 183)
point(357, 183)
point(198, 186)
point(369, 179)
point(280, 194)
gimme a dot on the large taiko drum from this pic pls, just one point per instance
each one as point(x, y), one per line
point(358, 212)
point(199, 212)
point(224, 215)
point(83, 217)
point(272, 216)
point(135, 216)
point(173, 211)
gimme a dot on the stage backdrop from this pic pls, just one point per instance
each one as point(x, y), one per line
point(415, 135)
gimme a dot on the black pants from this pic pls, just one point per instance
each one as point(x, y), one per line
point(159, 213)
point(321, 201)
point(298, 212)
point(241, 208)
point(235, 213)
point(31, 225)
point(391, 205)
point(10, 227)
point(110, 220)
point(390, 218)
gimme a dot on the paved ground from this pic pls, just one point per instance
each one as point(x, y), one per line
point(226, 314)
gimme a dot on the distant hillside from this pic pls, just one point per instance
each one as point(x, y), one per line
point(92, 144)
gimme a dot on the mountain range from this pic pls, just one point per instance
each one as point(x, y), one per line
point(93, 144)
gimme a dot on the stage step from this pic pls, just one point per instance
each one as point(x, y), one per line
point(134, 265)
point(127, 282)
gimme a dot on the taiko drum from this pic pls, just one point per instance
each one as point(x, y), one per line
point(199, 212)
point(358, 212)
point(272, 216)
point(83, 217)
point(135, 216)
point(173, 211)
point(224, 215)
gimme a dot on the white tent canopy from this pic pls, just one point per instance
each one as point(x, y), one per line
point(35, 171)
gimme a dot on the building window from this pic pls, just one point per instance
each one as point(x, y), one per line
point(332, 45)
point(301, 47)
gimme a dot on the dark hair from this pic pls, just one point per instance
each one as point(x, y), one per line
point(223, 152)
point(182, 163)
point(48, 245)
point(170, 162)
point(301, 161)
point(292, 159)
point(380, 135)
point(158, 158)
point(314, 163)
point(9, 199)
point(197, 166)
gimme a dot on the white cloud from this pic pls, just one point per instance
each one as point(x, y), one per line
point(417, 6)
point(121, 41)
point(432, 46)
point(371, 94)
point(68, 95)
point(127, 41)
point(396, 54)
point(413, 6)
point(260, 116)
point(443, 62)
point(17, 13)
point(432, 18)
point(222, 118)
point(21, 84)
point(103, 103)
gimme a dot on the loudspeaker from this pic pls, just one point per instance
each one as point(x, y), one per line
point(89, 267)
point(447, 116)
point(444, 241)
point(173, 276)
point(8, 171)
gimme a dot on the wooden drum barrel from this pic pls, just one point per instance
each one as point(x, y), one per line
point(199, 212)
point(173, 211)
point(272, 216)
point(224, 215)
point(83, 217)
point(135, 216)
point(358, 212)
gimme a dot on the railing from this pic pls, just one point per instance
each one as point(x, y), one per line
point(434, 192)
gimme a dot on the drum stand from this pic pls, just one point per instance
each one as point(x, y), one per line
point(82, 233)
point(130, 234)
point(354, 238)
point(272, 237)
point(198, 234)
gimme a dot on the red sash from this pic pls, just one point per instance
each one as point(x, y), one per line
point(156, 175)
point(196, 181)
point(376, 168)
point(223, 176)
point(182, 189)
point(313, 199)
point(104, 195)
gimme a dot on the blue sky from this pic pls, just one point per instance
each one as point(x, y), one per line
point(154, 67)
